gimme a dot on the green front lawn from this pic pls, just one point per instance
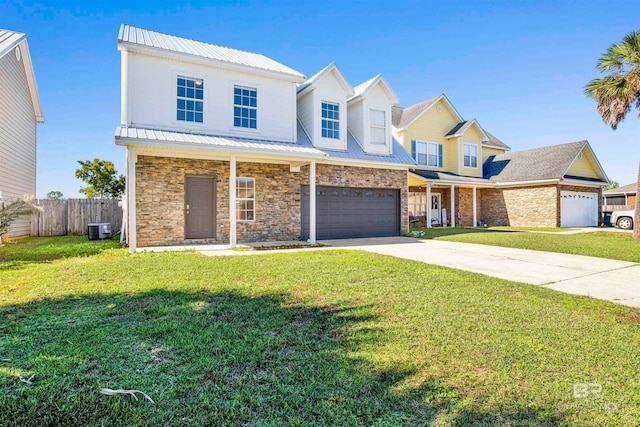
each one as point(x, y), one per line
point(601, 244)
point(308, 338)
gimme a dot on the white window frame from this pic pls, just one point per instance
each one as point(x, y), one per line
point(383, 127)
point(426, 145)
point(187, 99)
point(330, 120)
point(244, 198)
point(247, 107)
point(469, 156)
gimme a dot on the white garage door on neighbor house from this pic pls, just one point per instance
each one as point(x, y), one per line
point(578, 209)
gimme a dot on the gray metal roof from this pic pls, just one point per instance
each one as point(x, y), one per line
point(533, 165)
point(9, 39)
point(153, 39)
point(133, 134)
point(401, 117)
point(302, 148)
point(354, 151)
point(625, 189)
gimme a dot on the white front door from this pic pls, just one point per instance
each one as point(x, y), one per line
point(436, 207)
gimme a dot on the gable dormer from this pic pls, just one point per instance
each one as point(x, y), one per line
point(369, 115)
point(322, 107)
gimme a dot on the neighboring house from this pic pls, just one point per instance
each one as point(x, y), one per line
point(469, 177)
point(227, 146)
point(620, 198)
point(20, 112)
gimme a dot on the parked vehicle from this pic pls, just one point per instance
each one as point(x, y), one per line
point(623, 219)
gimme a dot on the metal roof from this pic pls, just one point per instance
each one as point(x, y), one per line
point(8, 40)
point(364, 87)
point(162, 137)
point(303, 148)
point(153, 39)
point(355, 152)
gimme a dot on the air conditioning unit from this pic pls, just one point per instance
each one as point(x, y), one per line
point(99, 231)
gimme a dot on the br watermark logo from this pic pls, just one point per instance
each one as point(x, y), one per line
point(587, 390)
point(590, 395)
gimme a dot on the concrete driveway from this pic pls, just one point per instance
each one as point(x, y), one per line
point(611, 280)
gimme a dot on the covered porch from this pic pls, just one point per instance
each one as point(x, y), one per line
point(438, 199)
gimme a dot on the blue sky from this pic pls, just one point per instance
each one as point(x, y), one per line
point(518, 67)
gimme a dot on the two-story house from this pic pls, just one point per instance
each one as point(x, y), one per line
point(227, 146)
point(20, 112)
point(465, 176)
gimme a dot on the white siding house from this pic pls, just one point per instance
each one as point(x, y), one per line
point(20, 112)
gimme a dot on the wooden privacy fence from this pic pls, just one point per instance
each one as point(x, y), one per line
point(71, 216)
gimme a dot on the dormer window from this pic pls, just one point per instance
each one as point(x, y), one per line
point(245, 107)
point(378, 131)
point(330, 120)
point(190, 99)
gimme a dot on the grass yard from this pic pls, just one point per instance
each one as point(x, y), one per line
point(601, 244)
point(338, 338)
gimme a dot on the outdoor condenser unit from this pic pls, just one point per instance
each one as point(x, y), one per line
point(99, 231)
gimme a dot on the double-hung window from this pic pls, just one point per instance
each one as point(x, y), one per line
point(190, 99)
point(377, 125)
point(470, 156)
point(245, 199)
point(330, 120)
point(427, 153)
point(417, 203)
point(245, 107)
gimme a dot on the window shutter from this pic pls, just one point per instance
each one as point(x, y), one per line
point(413, 150)
point(439, 155)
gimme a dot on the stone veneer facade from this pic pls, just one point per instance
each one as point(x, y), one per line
point(521, 206)
point(160, 197)
point(527, 206)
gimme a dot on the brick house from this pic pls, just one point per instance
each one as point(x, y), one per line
point(227, 146)
point(466, 176)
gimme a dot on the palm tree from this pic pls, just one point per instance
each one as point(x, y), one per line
point(619, 91)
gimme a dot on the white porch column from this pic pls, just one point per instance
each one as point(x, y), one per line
point(475, 210)
point(428, 206)
point(453, 206)
point(131, 198)
point(312, 203)
point(232, 202)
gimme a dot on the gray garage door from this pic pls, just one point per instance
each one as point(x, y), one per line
point(352, 212)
